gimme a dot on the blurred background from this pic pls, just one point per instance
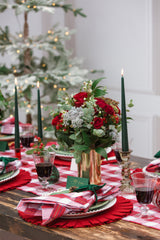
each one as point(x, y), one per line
point(113, 35)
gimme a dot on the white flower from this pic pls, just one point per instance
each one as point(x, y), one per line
point(98, 132)
point(74, 116)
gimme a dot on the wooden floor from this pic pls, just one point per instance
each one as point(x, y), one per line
point(14, 228)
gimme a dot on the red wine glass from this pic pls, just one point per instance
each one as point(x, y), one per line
point(44, 165)
point(27, 135)
point(116, 148)
point(144, 188)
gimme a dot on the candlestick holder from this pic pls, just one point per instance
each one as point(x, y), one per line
point(126, 186)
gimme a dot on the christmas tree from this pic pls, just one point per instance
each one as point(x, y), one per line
point(55, 69)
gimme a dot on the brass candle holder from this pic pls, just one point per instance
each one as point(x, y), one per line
point(126, 186)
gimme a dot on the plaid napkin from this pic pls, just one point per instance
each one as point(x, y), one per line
point(55, 206)
point(154, 166)
point(9, 120)
point(8, 164)
point(8, 125)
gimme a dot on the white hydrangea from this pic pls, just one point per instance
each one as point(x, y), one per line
point(113, 133)
point(74, 117)
point(77, 123)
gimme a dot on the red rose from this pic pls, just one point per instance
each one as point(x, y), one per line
point(116, 118)
point(79, 97)
point(98, 122)
point(109, 109)
point(56, 119)
point(101, 103)
point(106, 107)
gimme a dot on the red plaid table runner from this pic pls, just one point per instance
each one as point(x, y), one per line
point(111, 174)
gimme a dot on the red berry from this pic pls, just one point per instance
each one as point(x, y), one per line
point(31, 144)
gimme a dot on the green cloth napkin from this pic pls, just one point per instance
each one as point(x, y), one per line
point(157, 155)
point(90, 187)
point(76, 182)
point(6, 160)
point(4, 146)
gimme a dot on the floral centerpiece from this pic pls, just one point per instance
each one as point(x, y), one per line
point(87, 120)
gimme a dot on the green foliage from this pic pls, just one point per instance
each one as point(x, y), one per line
point(55, 69)
point(38, 5)
point(97, 91)
point(4, 70)
point(102, 152)
point(3, 106)
point(95, 83)
point(130, 104)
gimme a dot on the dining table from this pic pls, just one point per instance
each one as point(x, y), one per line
point(12, 226)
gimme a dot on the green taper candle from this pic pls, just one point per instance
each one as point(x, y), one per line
point(17, 140)
point(124, 118)
point(40, 134)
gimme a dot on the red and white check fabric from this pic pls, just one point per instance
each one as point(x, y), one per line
point(9, 120)
point(11, 166)
point(110, 174)
point(55, 206)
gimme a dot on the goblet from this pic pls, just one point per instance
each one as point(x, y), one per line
point(116, 148)
point(144, 188)
point(44, 165)
point(27, 135)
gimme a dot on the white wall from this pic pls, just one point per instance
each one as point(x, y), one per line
point(124, 34)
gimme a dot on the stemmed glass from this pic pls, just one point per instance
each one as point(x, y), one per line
point(27, 135)
point(44, 165)
point(116, 148)
point(144, 188)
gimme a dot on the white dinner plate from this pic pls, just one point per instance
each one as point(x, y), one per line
point(64, 156)
point(7, 138)
point(9, 176)
point(109, 149)
point(153, 174)
point(91, 212)
point(68, 156)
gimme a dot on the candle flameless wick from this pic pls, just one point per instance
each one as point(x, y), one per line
point(16, 81)
point(38, 84)
point(122, 72)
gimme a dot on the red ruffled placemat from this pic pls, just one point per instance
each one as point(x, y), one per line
point(21, 179)
point(60, 162)
point(122, 208)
